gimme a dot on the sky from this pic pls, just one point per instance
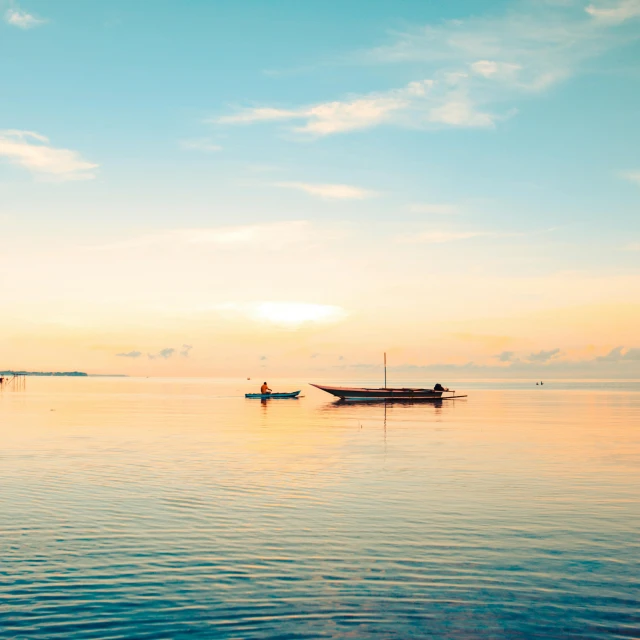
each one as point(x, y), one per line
point(217, 188)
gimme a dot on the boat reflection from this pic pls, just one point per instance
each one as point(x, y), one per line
point(265, 401)
point(435, 402)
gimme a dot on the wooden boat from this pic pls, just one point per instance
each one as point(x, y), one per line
point(386, 394)
point(265, 396)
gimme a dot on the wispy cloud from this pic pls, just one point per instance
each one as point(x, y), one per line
point(329, 191)
point(32, 151)
point(361, 112)
point(434, 208)
point(21, 19)
point(421, 103)
point(632, 176)
point(493, 69)
point(557, 356)
point(615, 12)
point(620, 360)
point(543, 356)
point(530, 47)
point(469, 67)
point(200, 144)
point(258, 114)
point(165, 354)
point(273, 236)
point(620, 354)
point(439, 237)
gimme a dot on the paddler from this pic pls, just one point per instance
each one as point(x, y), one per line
point(264, 389)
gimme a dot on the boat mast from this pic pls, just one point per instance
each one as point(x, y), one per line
point(385, 369)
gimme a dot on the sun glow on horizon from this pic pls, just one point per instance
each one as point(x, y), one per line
point(297, 313)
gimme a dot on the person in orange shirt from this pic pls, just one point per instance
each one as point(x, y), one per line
point(264, 389)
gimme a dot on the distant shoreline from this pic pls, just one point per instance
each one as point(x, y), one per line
point(71, 374)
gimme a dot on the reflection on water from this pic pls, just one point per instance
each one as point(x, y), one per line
point(176, 508)
point(434, 402)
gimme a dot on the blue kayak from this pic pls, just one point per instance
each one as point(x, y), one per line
point(292, 394)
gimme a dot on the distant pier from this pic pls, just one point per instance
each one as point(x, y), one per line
point(13, 381)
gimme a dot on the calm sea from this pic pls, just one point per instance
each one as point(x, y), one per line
point(150, 508)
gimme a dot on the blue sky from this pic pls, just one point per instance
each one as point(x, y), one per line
point(491, 147)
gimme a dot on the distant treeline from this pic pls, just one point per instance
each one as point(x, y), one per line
point(43, 373)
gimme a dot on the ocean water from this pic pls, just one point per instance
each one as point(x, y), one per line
point(150, 508)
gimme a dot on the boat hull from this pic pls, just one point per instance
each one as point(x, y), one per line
point(265, 396)
point(362, 394)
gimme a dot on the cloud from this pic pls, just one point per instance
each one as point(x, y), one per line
point(543, 356)
point(632, 176)
point(440, 237)
point(620, 354)
point(166, 353)
point(32, 151)
point(329, 117)
point(464, 67)
point(620, 362)
point(461, 113)
point(493, 69)
point(614, 12)
point(272, 236)
point(433, 208)
point(528, 48)
point(361, 113)
point(22, 19)
point(329, 191)
point(421, 103)
point(260, 114)
point(200, 144)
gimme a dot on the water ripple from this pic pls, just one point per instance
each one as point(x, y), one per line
point(134, 512)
